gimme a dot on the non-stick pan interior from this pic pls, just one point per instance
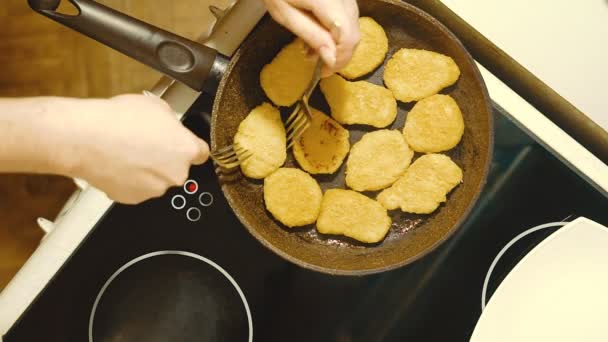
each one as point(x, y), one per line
point(410, 236)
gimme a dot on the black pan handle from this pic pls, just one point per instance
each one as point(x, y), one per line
point(182, 59)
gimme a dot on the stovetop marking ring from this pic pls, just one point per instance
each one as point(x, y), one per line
point(168, 252)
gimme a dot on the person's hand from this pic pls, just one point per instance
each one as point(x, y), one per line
point(132, 147)
point(329, 27)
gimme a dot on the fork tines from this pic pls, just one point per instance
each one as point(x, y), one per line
point(230, 156)
point(301, 117)
point(296, 124)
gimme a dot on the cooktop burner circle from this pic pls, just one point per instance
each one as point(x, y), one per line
point(184, 297)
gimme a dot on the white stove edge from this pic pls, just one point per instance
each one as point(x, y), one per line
point(92, 204)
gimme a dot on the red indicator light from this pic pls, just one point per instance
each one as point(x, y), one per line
point(191, 187)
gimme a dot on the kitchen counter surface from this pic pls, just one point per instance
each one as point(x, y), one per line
point(562, 42)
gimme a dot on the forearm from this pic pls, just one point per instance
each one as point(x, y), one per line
point(35, 135)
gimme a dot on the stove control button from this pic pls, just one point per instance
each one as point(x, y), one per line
point(205, 199)
point(193, 214)
point(191, 186)
point(178, 202)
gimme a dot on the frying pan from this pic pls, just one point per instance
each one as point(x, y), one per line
point(238, 91)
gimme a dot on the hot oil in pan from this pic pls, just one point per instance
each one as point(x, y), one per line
point(402, 223)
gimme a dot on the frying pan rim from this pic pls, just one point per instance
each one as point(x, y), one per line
point(455, 227)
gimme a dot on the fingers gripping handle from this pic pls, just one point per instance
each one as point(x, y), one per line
point(182, 59)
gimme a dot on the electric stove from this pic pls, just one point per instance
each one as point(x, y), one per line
point(182, 268)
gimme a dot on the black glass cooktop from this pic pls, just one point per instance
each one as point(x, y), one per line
point(182, 268)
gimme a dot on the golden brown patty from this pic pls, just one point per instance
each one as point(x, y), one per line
point(413, 74)
point(349, 213)
point(435, 124)
point(262, 133)
point(370, 52)
point(286, 77)
point(359, 102)
point(424, 185)
point(292, 196)
point(323, 146)
point(377, 160)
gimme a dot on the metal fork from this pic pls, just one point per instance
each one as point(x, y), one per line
point(299, 120)
point(230, 156)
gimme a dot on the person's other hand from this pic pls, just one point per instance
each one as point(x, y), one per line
point(132, 147)
point(329, 27)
